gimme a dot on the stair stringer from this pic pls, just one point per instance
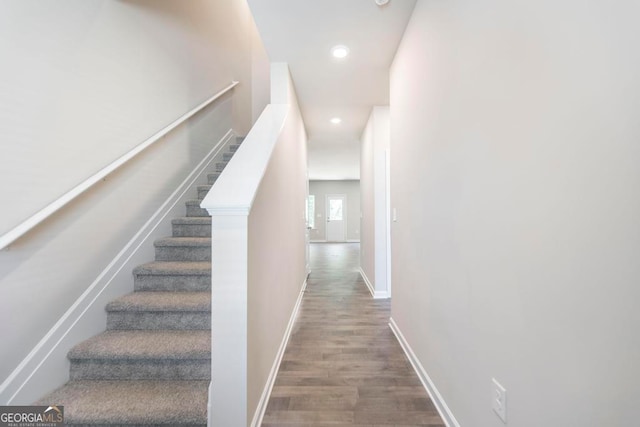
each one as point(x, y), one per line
point(46, 367)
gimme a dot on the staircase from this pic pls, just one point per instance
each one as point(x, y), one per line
point(152, 366)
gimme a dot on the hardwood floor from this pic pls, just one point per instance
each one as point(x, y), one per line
point(343, 366)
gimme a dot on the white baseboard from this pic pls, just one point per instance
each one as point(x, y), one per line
point(381, 295)
point(375, 294)
point(266, 393)
point(436, 397)
point(326, 241)
point(46, 367)
point(367, 282)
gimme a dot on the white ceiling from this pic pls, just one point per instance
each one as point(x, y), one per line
point(302, 33)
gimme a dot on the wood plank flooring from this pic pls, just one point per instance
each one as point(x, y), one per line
point(343, 366)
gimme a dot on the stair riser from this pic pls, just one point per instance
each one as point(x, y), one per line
point(193, 210)
point(212, 177)
point(227, 156)
point(159, 320)
point(152, 369)
point(202, 193)
point(220, 166)
point(183, 253)
point(191, 230)
point(234, 147)
point(154, 282)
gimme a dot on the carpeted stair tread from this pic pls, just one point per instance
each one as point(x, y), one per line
point(220, 166)
point(183, 241)
point(168, 268)
point(172, 276)
point(160, 310)
point(191, 226)
point(193, 202)
point(132, 403)
point(203, 190)
point(194, 209)
point(162, 301)
point(183, 249)
point(137, 345)
point(192, 220)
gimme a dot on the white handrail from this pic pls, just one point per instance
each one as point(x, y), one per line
point(22, 228)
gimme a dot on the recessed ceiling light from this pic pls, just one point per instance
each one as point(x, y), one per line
point(381, 2)
point(336, 120)
point(339, 51)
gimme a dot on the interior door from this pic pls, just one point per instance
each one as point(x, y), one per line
point(336, 217)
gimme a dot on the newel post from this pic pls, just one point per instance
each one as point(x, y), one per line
point(229, 279)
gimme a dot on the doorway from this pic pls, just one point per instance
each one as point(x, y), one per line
point(336, 208)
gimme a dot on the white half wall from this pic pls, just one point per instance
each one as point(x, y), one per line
point(514, 172)
point(82, 83)
point(259, 249)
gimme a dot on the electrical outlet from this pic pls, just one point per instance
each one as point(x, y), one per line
point(499, 400)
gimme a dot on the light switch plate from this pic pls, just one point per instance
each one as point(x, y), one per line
point(499, 400)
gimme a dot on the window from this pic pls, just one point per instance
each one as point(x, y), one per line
point(311, 211)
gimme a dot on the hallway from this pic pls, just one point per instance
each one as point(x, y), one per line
point(343, 365)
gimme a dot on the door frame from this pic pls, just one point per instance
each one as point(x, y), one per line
point(307, 230)
point(387, 191)
point(344, 217)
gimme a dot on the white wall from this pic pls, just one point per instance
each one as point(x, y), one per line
point(90, 79)
point(260, 74)
point(367, 201)
point(277, 263)
point(82, 82)
point(375, 142)
point(320, 189)
point(514, 164)
point(334, 159)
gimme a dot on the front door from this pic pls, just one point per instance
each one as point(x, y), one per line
point(336, 217)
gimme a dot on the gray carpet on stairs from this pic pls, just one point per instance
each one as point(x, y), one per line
point(191, 227)
point(160, 310)
point(153, 364)
point(173, 276)
point(133, 403)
